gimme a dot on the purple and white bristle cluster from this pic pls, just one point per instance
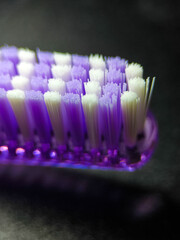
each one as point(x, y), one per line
point(70, 107)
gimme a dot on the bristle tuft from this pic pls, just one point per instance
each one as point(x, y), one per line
point(97, 61)
point(54, 107)
point(36, 106)
point(74, 86)
point(57, 85)
point(90, 108)
point(63, 72)
point(16, 98)
point(133, 70)
point(25, 69)
point(20, 82)
point(97, 75)
point(137, 85)
point(26, 55)
point(93, 88)
point(62, 58)
point(129, 106)
point(73, 117)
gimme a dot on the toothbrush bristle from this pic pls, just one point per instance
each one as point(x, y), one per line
point(96, 75)
point(97, 61)
point(42, 70)
point(110, 120)
point(137, 85)
point(74, 86)
point(7, 119)
point(16, 98)
point(38, 111)
point(73, 118)
point(25, 69)
point(10, 53)
point(79, 73)
point(111, 89)
point(62, 71)
point(7, 67)
point(82, 61)
point(26, 55)
point(116, 63)
point(116, 76)
point(62, 58)
point(57, 85)
point(93, 88)
point(54, 106)
point(88, 109)
point(133, 70)
point(45, 57)
point(5, 82)
point(20, 82)
point(129, 106)
point(39, 84)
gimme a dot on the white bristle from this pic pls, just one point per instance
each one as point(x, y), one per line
point(133, 70)
point(20, 82)
point(25, 69)
point(97, 75)
point(26, 55)
point(97, 61)
point(93, 88)
point(149, 91)
point(53, 104)
point(57, 85)
point(90, 108)
point(138, 86)
point(129, 106)
point(63, 72)
point(16, 98)
point(62, 58)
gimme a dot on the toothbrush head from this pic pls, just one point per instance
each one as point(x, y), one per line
point(65, 110)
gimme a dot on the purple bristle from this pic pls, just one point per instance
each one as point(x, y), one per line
point(37, 108)
point(39, 84)
point(110, 120)
point(42, 70)
point(5, 82)
point(8, 121)
point(10, 53)
point(111, 89)
point(82, 61)
point(74, 86)
point(45, 57)
point(79, 73)
point(7, 67)
point(123, 87)
point(115, 76)
point(104, 102)
point(73, 117)
point(116, 63)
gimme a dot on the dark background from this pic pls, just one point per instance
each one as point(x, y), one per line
point(83, 204)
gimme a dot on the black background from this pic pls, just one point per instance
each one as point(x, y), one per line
point(83, 204)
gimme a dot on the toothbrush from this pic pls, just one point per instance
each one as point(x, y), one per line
point(63, 110)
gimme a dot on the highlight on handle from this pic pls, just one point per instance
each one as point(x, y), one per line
point(67, 110)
